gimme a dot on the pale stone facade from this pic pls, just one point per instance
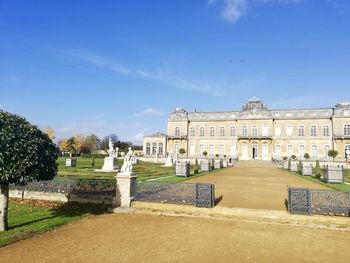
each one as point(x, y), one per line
point(256, 132)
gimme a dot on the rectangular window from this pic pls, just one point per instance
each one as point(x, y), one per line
point(254, 131)
point(222, 150)
point(314, 152)
point(211, 150)
point(192, 151)
point(289, 130)
point(326, 150)
point(347, 129)
point(222, 131)
point(301, 152)
point(277, 130)
point(202, 148)
point(211, 133)
point(289, 150)
point(244, 130)
point(278, 150)
point(177, 131)
point(313, 131)
point(233, 131)
point(301, 131)
point(326, 130)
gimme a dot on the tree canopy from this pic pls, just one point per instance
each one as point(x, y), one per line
point(26, 153)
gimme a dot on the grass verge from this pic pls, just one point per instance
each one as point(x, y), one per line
point(31, 217)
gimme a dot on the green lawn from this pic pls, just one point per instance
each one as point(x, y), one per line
point(341, 187)
point(33, 217)
point(143, 170)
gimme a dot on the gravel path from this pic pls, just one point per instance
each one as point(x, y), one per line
point(255, 184)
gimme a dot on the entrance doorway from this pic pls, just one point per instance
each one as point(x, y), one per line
point(255, 151)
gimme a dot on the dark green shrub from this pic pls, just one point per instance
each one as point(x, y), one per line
point(196, 167)
point(317, 170)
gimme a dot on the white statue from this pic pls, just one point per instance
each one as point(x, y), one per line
point(127, 165)
point(110, 151)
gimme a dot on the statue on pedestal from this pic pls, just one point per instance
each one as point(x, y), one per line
point(127, 165)
point(110, 151)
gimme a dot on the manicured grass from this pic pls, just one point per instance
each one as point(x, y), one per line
point(28, 218)
point(143, 170)
point(340, 187)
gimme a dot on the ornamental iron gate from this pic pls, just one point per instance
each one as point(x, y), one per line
point(196, 194)
point(318, 202)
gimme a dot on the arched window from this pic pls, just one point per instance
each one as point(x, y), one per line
point(192, 131)
point(154, 148)
point(313, 130)
point(233, 131)
point(326, 130)
point(201, 131)
point(177, 131)
point(347, 129)
point(148, 148)
point(211, 131)
point(160, 148)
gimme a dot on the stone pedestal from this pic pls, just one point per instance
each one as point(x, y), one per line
point(217, 164)
point(225, 164)
point(205, 166)
point(126, 187)
point(70, 162)
point(109, 165)
point(293, 167)
point(306, 169)
point(182, 169)
point(333, 174)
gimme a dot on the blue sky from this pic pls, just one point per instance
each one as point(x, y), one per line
point(122, 66)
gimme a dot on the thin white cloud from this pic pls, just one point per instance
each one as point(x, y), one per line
point(137, 138)
point(233, 10)
point(149, 112)
point(168, 78)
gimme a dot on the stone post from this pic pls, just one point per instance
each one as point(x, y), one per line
point(126, 189)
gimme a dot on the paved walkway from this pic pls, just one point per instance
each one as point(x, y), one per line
point(255, 184)
point(145, 238)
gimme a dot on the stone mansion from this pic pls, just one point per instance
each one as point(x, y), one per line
point(255, 132)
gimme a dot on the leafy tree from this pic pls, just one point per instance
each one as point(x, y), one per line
point(307, 156)
point(78, 143)
point(26, 154)
point(205, 153)
point(293, 157)
point(317, 170)
point(91, 143)
point(50, 132)
point(182, 151)
point(217, 155)
point(71, 145)
point(63, 144)
point(285, 158)
point(333, 154)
